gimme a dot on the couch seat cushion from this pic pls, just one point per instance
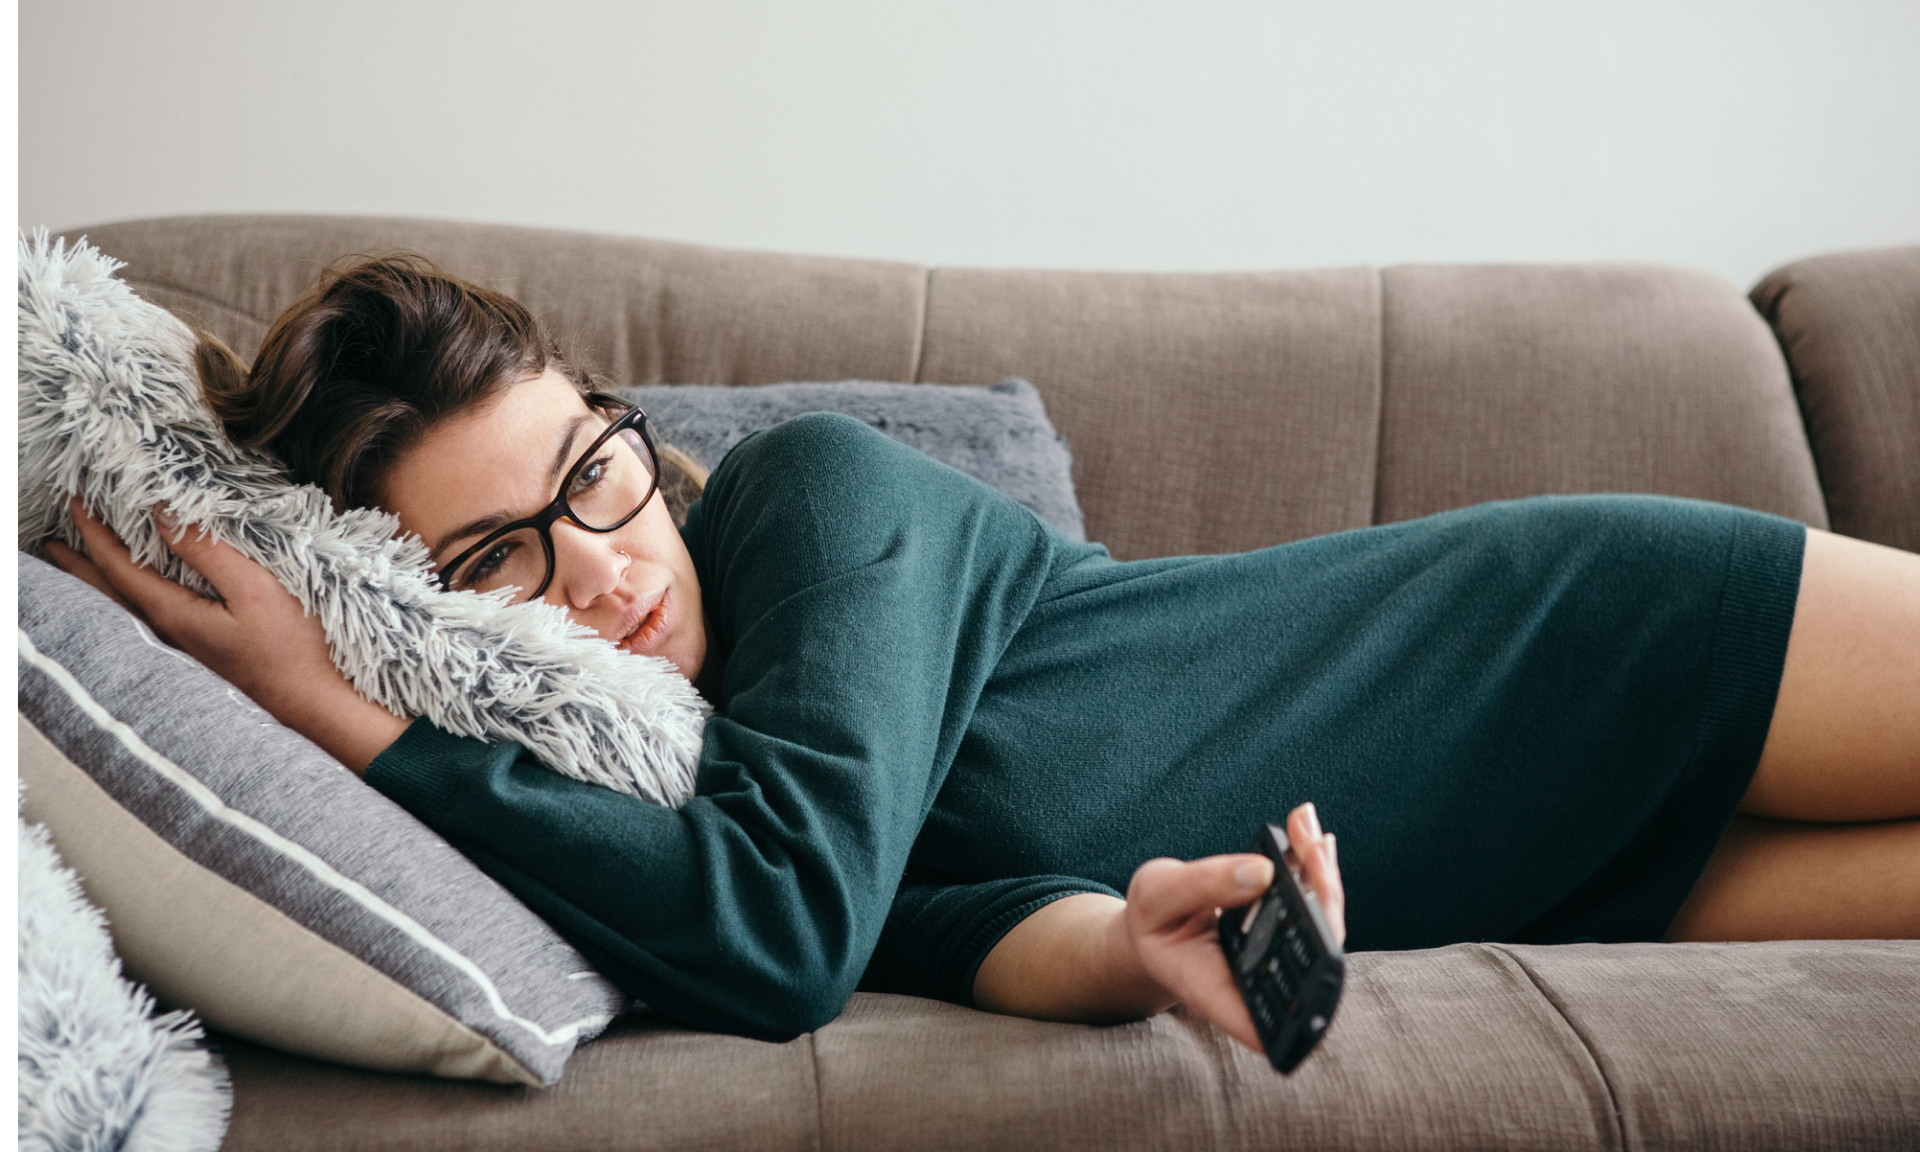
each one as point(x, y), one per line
point(1787, 1045)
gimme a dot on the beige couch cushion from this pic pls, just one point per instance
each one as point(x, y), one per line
point(1207, 413)
point(646, 311)
point(1758, 1047)
point(1738, 1046)
point(1515, 381)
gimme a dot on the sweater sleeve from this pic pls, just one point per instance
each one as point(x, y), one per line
point(937, 934)
point(859, 596)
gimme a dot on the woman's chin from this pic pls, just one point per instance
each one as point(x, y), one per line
point(687, 664)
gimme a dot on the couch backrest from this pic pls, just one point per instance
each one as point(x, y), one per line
point(1850, 324)
point(1206, 412)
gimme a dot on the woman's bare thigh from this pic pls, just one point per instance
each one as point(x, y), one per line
point(1844, 744)
point(1788, 880)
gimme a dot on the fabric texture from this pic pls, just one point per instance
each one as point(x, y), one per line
point(642, 311)
point(238, 802)
point(98, 1068)
point(999, 434)
point(1584, 681)
point(1501, 382)
point(1586, 1048)
point(110, 410)
point(1771, 1047)
point(1850, 325)
point(1207, 413)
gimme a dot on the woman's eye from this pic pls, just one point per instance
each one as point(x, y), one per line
point(591, 473)
point(486, 564)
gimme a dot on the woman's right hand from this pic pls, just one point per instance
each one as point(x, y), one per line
point(257, 636)
point(1173, 915)
point(1094, 958)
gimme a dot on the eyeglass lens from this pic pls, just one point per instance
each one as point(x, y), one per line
point(607, 486)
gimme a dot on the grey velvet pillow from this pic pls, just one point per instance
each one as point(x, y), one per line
point(999, 434)
point(249, 876)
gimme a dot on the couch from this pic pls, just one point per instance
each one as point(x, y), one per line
point(1212, 412)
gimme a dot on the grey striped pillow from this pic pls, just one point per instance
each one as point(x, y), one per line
point(252, 878)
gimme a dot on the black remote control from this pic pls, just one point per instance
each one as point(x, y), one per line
point(1285, 959)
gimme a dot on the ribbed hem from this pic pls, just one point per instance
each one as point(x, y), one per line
point(420, 770)
point(1742, 684)
point(968, 962)
point(1750, 642)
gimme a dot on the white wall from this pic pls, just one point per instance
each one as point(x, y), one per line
point(1062, 133)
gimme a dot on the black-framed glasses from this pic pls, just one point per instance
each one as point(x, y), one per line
point(606, 487)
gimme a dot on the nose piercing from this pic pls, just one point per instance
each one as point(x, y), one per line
point(626, 557)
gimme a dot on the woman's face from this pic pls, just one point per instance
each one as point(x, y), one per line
point(467, 476)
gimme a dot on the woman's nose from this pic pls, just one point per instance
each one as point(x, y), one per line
point(586, 565)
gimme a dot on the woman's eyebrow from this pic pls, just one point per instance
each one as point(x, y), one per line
point(565, 455)
point(478, 527)
point(482, 525)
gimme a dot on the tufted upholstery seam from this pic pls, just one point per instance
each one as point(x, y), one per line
point(1586, 1041)
point(1379, 387)
point(918, 355)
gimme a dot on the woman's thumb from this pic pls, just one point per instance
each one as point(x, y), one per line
point(1254, 874)
point(1168, 891)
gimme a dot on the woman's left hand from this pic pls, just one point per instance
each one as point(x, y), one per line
point(1173, 914)
point(256, 636)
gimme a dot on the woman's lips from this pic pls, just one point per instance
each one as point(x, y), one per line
point(652, 621)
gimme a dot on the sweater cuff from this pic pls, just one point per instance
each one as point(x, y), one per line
point(421, 770)
point(988, 937)
point(937, 935)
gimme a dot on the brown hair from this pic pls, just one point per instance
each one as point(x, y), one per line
point(380, 350)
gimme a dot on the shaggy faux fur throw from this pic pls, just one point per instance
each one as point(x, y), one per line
point(98, 1070)
point(110, 410)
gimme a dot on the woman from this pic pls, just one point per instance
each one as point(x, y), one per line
point(946, 738)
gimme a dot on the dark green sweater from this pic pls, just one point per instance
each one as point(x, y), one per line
point(936, 714)
point(859, 597)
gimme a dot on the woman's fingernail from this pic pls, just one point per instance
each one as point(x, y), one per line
point(1313, 819)
point(164, 518)
point(1250, 875)
point(1333, 851)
